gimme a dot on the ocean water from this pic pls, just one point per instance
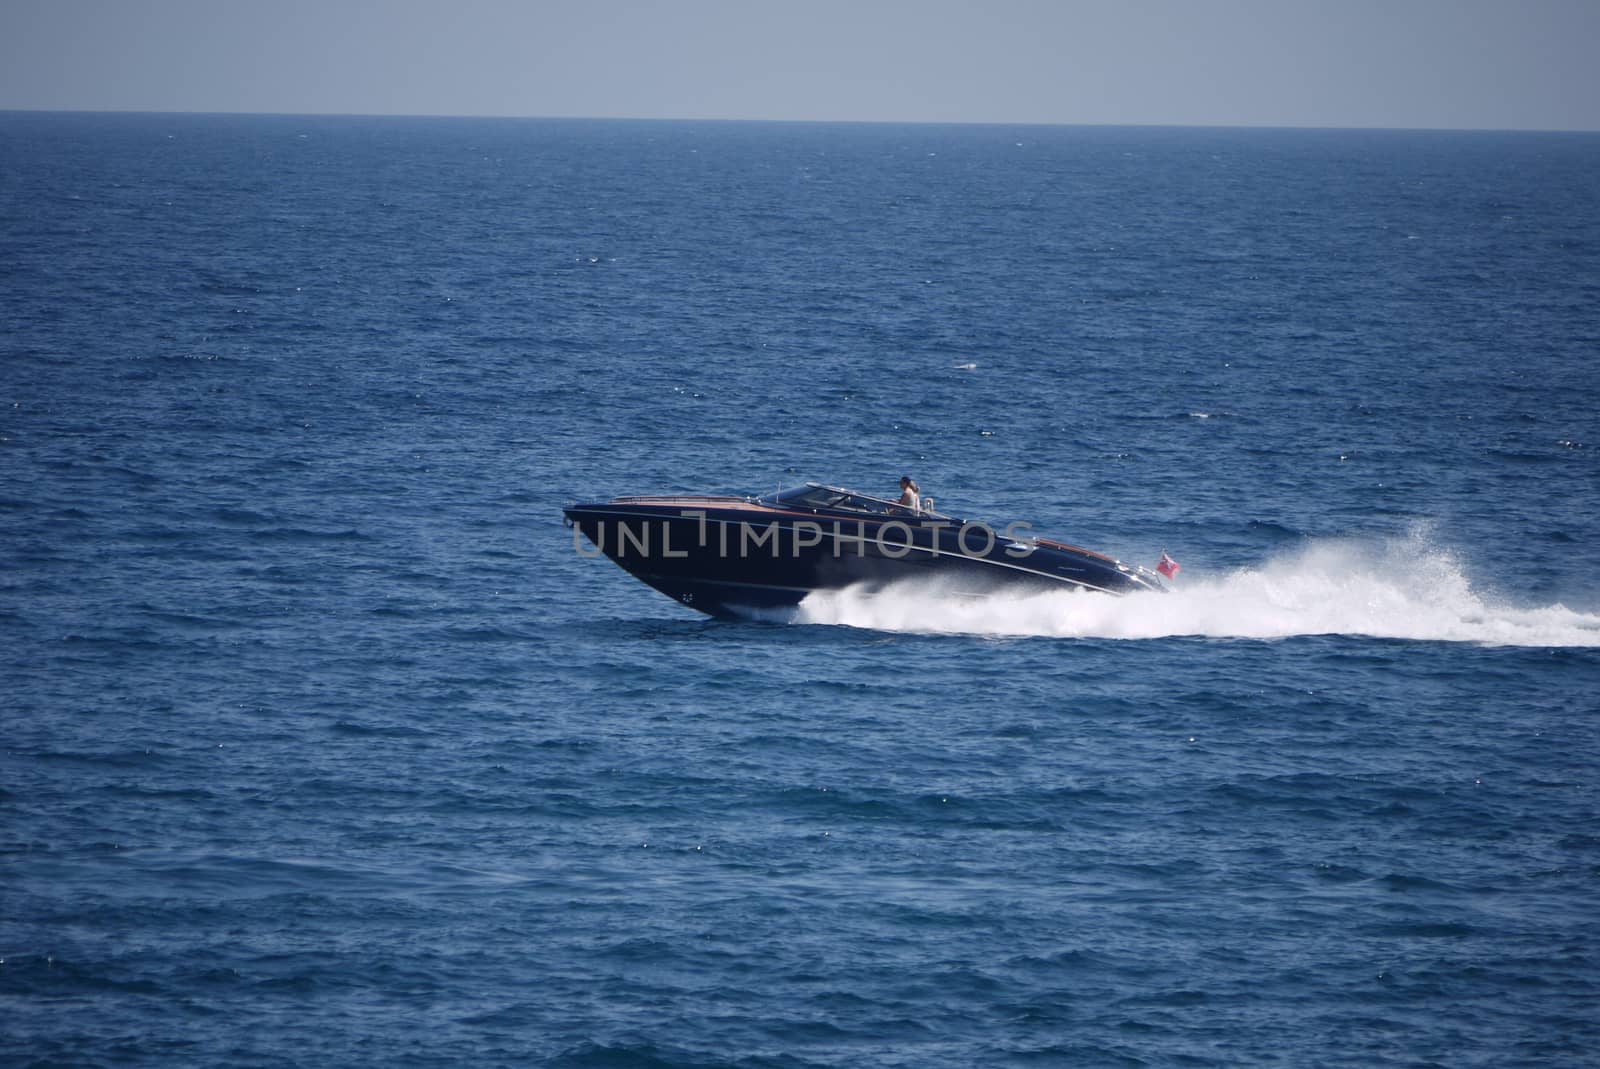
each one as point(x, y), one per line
point(319, 745)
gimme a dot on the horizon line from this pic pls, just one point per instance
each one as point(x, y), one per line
point(1348, 127)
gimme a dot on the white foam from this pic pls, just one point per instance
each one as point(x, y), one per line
point(1404, 589)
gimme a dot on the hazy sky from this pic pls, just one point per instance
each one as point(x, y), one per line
point(1409, 63)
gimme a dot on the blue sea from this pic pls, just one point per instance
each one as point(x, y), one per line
point(320, 745)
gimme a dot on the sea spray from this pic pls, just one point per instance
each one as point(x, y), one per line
point(1407, 588)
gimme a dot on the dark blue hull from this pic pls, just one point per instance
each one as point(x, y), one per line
point(732, 556)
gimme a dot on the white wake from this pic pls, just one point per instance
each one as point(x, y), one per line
point(1405, 589)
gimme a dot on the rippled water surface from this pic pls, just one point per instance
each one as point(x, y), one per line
point(322, 746)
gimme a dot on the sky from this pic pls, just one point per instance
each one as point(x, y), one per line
point(1449, 64)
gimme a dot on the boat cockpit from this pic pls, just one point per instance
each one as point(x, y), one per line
point(820, 498)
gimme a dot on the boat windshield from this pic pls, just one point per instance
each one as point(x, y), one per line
point(833, 499)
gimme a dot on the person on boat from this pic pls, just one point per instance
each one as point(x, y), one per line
point(910, 494)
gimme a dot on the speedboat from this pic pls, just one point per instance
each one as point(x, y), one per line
point(729, 556)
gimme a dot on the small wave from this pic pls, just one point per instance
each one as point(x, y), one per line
point(305, 534)
point(1405, 589)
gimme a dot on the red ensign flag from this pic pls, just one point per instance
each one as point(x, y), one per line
point(1167, 566)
